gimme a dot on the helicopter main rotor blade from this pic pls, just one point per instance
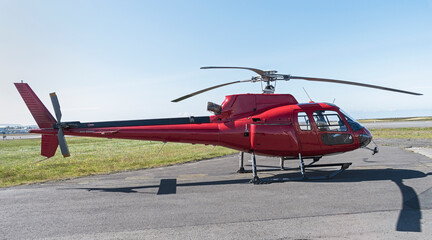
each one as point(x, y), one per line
point(258, 71)
point(352, 83)
point(207, 89)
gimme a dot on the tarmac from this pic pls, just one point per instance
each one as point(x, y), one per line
point(384, 196)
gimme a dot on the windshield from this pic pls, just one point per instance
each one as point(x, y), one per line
point(329, 121)
point(351, 121)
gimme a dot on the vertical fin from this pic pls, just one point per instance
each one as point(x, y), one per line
point(40, 113)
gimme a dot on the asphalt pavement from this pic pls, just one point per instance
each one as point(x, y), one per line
point(384, 196)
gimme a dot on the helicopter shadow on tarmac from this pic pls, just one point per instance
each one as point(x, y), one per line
point(410, 215)
point(409, 219)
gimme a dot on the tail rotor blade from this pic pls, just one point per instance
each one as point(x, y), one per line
point(56, 106)
point(62, 142)
point(60, 135)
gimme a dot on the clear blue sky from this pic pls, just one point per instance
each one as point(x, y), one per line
point(113, 60)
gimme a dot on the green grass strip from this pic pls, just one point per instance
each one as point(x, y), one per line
point(20, 160)
point(423, 133)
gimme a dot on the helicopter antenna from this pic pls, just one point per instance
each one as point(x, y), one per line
point(307, 94)
point(334, 100)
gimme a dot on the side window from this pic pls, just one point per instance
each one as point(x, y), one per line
point(336, 138)
point(303, 121)
point(329, 121)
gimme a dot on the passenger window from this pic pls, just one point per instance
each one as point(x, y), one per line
point(303, 121)
point(336, 138)
point(329, 121)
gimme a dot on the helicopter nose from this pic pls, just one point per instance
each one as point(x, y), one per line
point(365, 137)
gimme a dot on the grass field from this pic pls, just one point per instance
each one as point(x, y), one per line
point(20, 160)
point(423, 133)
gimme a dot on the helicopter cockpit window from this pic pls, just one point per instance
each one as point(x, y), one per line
point(303, 121)
point(329, 121)
point(351, 121)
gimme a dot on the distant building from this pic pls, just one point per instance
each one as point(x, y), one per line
point(14, 129)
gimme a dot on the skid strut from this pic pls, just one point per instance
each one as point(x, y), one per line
point(241, 163)
point(302, 166)
point(282, 160)
point(255, 179)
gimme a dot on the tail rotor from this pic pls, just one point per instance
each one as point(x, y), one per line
point(60, 135)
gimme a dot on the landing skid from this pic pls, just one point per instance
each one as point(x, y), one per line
point(283, 159)
point(302, 168)
point(343, 166)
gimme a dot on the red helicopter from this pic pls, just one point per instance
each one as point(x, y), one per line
point(260, 124)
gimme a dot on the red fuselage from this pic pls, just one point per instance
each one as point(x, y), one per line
point(267, 124)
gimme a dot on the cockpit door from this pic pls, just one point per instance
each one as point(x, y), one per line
point(307, 134)
point(332, 131)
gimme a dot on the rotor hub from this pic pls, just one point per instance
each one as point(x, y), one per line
point(269, 89)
